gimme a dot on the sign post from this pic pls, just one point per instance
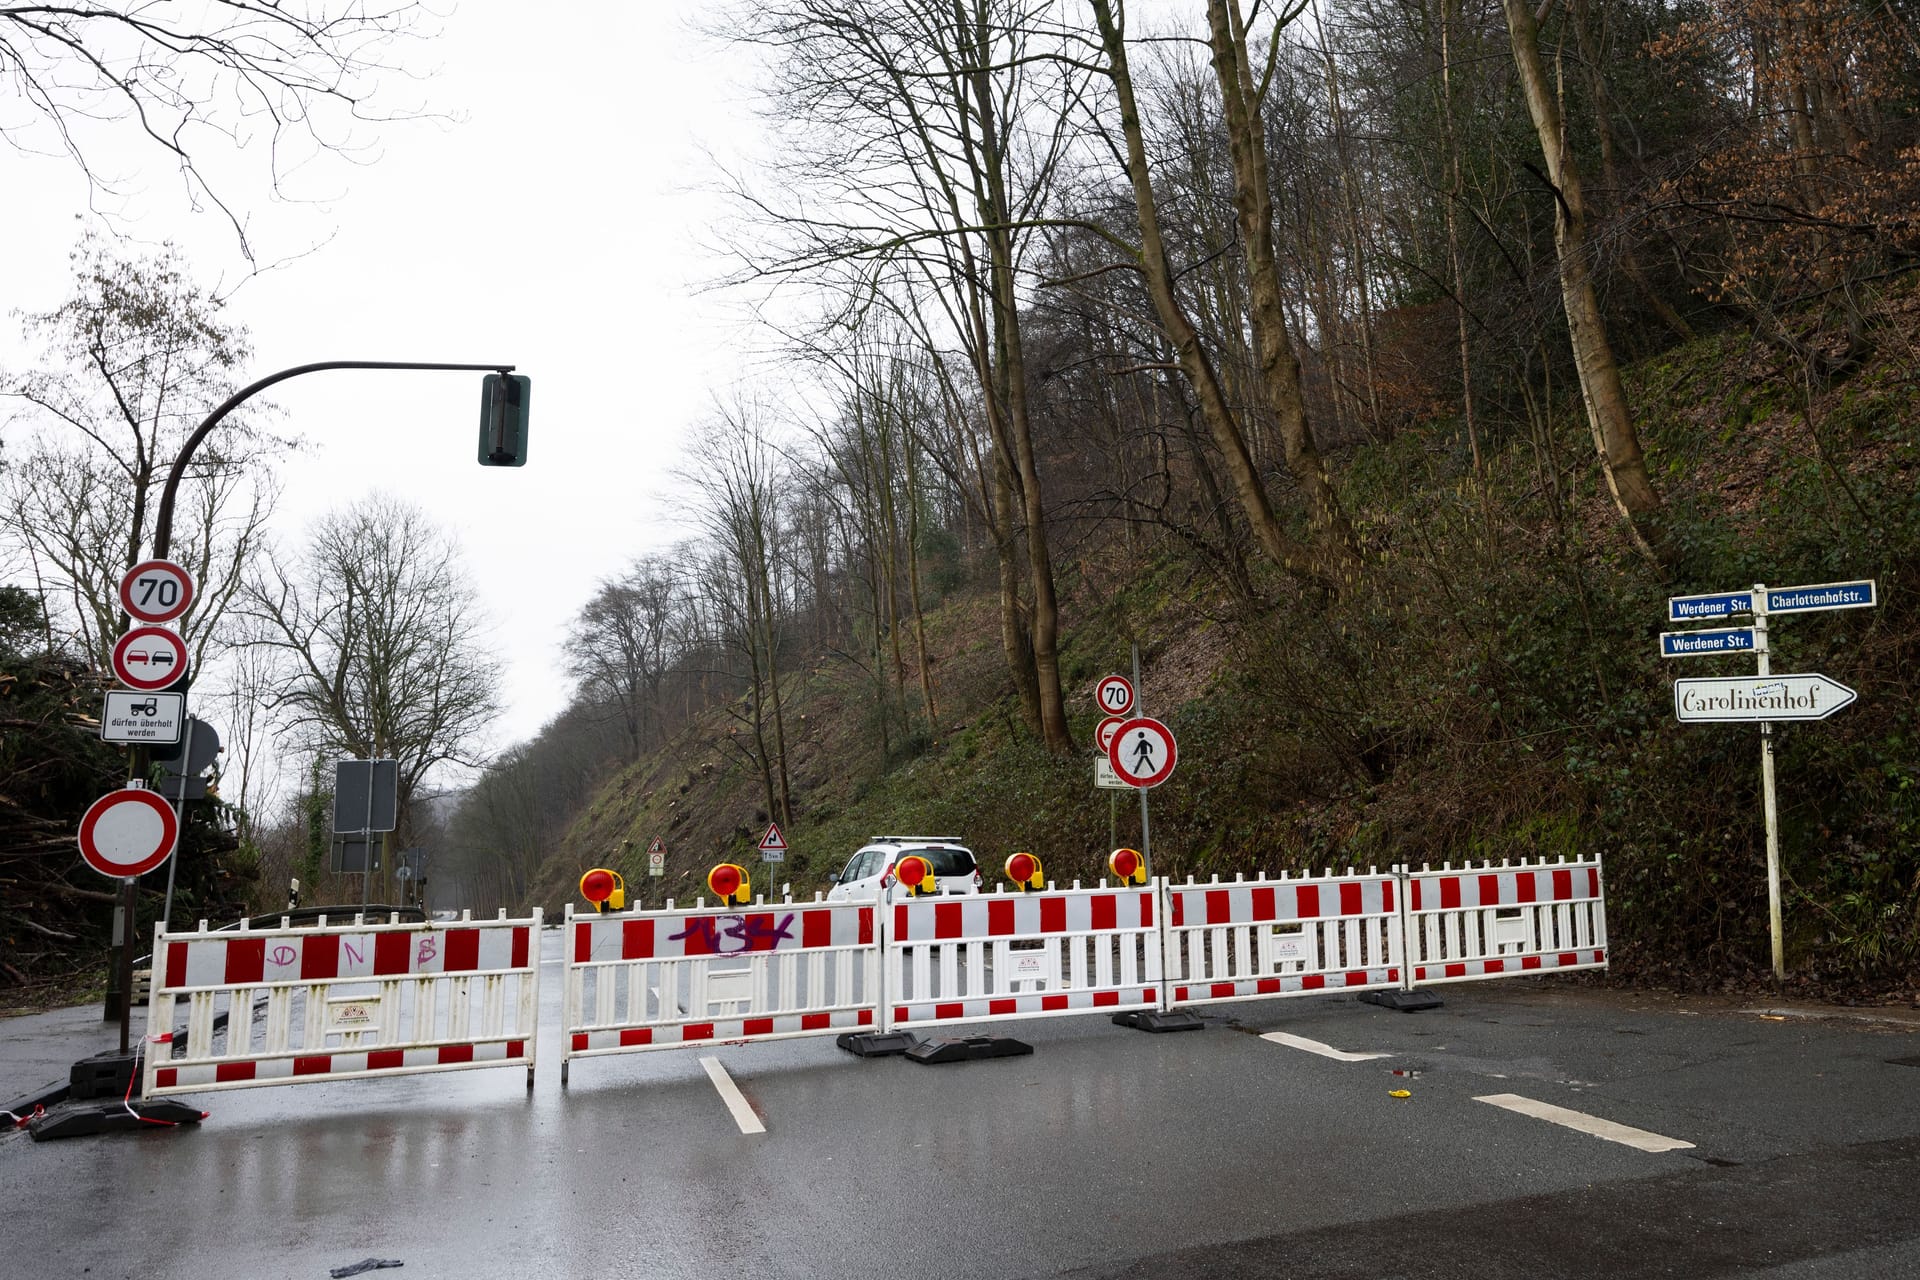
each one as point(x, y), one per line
point(657, 857)
point(773, 845)
point(1764, 698)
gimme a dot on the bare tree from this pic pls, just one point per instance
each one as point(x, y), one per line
point(618, 645)
point(294, 76)
point(376, 629)
point(130, 364)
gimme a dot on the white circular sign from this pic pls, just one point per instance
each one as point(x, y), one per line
point(156, 591)
point(1143, 752)
point(1104, 731)
point(128, 832)
point(1115, 695)
point(149, 658)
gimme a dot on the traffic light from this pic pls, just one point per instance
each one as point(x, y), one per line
point(505, 399)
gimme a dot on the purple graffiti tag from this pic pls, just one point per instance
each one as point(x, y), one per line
point(428, 950)
point(283, 955)
point(353, 950)
point(733, 935)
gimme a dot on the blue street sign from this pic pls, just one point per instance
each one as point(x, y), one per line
point(1721, 604)
point(1689, 644)
point(1824, 595)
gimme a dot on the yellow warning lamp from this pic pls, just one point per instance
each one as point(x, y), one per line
point(605, 889)
point(915, 875)
point(730, 884)
point(1128, 866)
point(1025, 871)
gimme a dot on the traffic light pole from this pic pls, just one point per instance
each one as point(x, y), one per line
point(163, 545)
point(163, 520)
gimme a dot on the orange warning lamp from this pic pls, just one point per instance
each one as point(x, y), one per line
point(730, 884)
point(1128, 866)
point(604, 889)
point(915, 875)
point(1025, 871)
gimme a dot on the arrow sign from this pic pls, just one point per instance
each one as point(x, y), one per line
point(1803, 697)
point(1691, 644)
point(149, 659)
point(1720, 604)
point(1143, 752)
point(156, 591)
point(773, 845)
point(1821, 596)
point(128, 832)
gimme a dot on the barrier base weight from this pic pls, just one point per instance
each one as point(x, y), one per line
point(876, 1044)
point(933, 1052)
point(1403, 1001)
point(1157, 1020)
point(86, 1118)
point(104, 1075)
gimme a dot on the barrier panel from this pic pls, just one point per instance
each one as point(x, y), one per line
point(1490, 922)
point(1249, 939)
point(661, 979)
point(297, 1005)
point(988, 957)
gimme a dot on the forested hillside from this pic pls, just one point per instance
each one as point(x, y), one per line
point(1380, 372)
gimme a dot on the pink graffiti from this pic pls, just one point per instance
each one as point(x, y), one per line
point(354, 953)
point(283, 955)
point(427, 952)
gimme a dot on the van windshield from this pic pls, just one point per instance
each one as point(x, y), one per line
point(946, 862)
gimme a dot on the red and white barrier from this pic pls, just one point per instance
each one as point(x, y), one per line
point(989, 957)
point(663, 979)
point(1251, 939)
point(1492, 922)
point(352, 1000)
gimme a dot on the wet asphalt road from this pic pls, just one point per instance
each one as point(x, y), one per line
point(1107, 1153)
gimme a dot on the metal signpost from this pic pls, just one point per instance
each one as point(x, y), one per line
point(1762, 697)
point(657, 857)
point(1135, 752)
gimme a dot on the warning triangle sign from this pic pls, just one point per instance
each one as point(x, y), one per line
point(773, 841)
point(658, 846)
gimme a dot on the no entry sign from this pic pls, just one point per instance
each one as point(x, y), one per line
point(149, 658)
point(128, 832)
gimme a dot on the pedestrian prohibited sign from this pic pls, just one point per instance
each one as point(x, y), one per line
point(1143, 752)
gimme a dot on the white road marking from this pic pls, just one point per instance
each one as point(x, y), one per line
point(1324, 1050)
point(1626, 1135)
point(730, 1094)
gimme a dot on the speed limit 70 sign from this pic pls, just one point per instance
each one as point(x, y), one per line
point(156, 591)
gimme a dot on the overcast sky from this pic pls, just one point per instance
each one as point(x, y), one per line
point(558, 224)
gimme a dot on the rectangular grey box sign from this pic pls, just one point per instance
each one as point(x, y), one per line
point(354, 855)
point(351, 780)
point(143, 717)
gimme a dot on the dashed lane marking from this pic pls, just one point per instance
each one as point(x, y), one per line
point(1324, 1050)
point(743, 1113)
point(1625, 1135)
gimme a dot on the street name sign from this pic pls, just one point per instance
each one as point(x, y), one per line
point(1822, 596)
point(1143, 752)
point(1718, 604)
point(1690, 644)
point(143, 717)
point(156, 591)
point(1769, 697)
point(149, 659)
point(128, 832)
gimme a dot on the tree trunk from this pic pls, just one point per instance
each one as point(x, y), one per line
point(1614, 436)
point(1297, 558)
